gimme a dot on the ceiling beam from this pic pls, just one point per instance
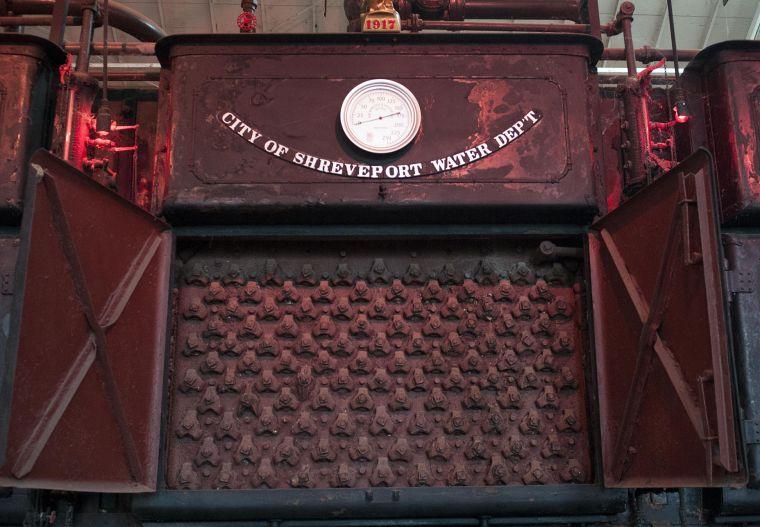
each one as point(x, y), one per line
point(212, 16)
point(710, 22)
point(754, 26)
point(662, 26)
point(292, 20)
point(161, 17)
point(606, 38)
point(315, 5)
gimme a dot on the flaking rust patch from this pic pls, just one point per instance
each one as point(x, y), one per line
point(489, 96)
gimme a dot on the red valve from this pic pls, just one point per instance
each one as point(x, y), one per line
point(64, 70)
point(246, 21)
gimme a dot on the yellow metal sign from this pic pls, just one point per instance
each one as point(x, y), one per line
point(379, 16)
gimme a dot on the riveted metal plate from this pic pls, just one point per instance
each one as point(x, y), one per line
point(743, 255)
point(384, 363)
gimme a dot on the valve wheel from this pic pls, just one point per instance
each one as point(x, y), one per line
point(246, 21)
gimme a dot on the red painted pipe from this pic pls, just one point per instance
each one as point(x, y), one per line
point(116, 48)
point(488, 9)
point(120, 16)
point(524, 9)
point(417, 24)
point(647, 54)
point(36, 20)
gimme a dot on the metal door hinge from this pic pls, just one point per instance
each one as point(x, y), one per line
point(751, 431)
point(740, 281)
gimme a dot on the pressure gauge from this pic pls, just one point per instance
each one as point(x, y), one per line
point(380, 116)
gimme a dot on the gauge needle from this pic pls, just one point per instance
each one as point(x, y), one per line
point(377, 118)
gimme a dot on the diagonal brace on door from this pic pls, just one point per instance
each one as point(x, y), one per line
point(94, 349)
point(650, 343)
point(645, 351)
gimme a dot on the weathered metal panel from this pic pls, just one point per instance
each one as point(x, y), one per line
point(86, 353)
point(665, 393)
point(743, 255)
point(460, 506)
point(739, 505)
point(399, 363)
point(27, 98)
point(8, 254)
point(470, 88)
point(727, 77)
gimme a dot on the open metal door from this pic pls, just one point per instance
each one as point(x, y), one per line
point(82, 384)
point(665, 389)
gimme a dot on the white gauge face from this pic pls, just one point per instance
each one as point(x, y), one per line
point(380, 116)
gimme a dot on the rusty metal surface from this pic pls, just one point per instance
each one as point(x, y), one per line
point(726, 78)
point(743, 255)
point(86, 352)
point(400, 363)
point(661, 339)
point(29, 65)
point(8, 255)
point(293, 90)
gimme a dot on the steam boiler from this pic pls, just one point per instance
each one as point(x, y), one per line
point(387, 279)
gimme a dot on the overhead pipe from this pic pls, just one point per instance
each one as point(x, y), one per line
point(122, 17)
point(79, 91)
point(416, 23)
point(571, 10)
point(647, 55)
point(128, 76)
point(85, 37)
point(116, 48)
point(58, 25)
point(681, 108)
point(522, 9)
point(36, 20)
point(610, 80)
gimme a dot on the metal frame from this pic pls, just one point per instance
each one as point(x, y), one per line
point(498, 505)
point(377, 231)
point(711, 22)
point(462, 502)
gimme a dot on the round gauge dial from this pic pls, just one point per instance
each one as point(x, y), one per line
point(380, 116)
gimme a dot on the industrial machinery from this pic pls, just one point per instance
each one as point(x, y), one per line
point(382, 279)
point(27, 99)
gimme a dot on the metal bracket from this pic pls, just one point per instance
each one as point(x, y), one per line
point(751, 431)
point(740, 281)
point(686, 202)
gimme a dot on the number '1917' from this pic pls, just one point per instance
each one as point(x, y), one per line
point(379, 25)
